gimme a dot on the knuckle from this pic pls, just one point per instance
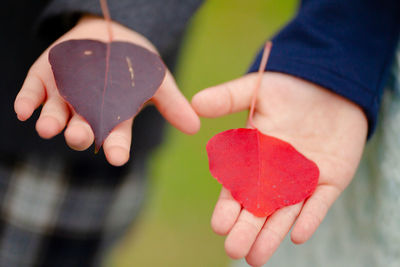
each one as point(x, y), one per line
point(249, 224)
point(230, 96)
point(275, 236)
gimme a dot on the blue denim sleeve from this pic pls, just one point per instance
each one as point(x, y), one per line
point(346, 46)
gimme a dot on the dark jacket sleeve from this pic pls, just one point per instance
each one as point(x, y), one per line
point(346, 46)
point(161, 21)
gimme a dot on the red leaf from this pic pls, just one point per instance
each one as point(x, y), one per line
point(262, 172)
point(105, 83)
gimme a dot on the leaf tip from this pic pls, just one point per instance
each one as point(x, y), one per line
point(97, 149)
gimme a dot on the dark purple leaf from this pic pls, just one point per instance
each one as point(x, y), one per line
point(105, 83)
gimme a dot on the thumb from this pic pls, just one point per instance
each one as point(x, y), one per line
point(226, 98)
point(174, 107)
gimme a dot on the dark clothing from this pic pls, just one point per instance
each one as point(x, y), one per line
point(53, 215)
point(346, 46)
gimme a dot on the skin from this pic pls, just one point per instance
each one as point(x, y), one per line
point(39, 88)
point(325, 127)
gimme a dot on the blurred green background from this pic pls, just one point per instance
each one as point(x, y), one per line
point(174, 228)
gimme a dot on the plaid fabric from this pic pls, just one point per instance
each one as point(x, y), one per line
point(51, 216)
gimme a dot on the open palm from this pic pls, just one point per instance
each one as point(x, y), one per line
point(325, 127)
point(40, 88)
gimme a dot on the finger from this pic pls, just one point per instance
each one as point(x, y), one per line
point(313, 212)
point(39, 82)
point(31, 95)
point(78, 135)
point(117, 144)
point(225, 214)
point(243, 234)
point(55, 112)
point(53, 117)
point(274, 231)
point(225, 98)
point(175, 108)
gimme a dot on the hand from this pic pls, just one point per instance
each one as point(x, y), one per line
point(39, 87)
point(325, 127)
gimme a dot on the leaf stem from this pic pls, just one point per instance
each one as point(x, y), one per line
point(264, 60)
point(107, 17)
